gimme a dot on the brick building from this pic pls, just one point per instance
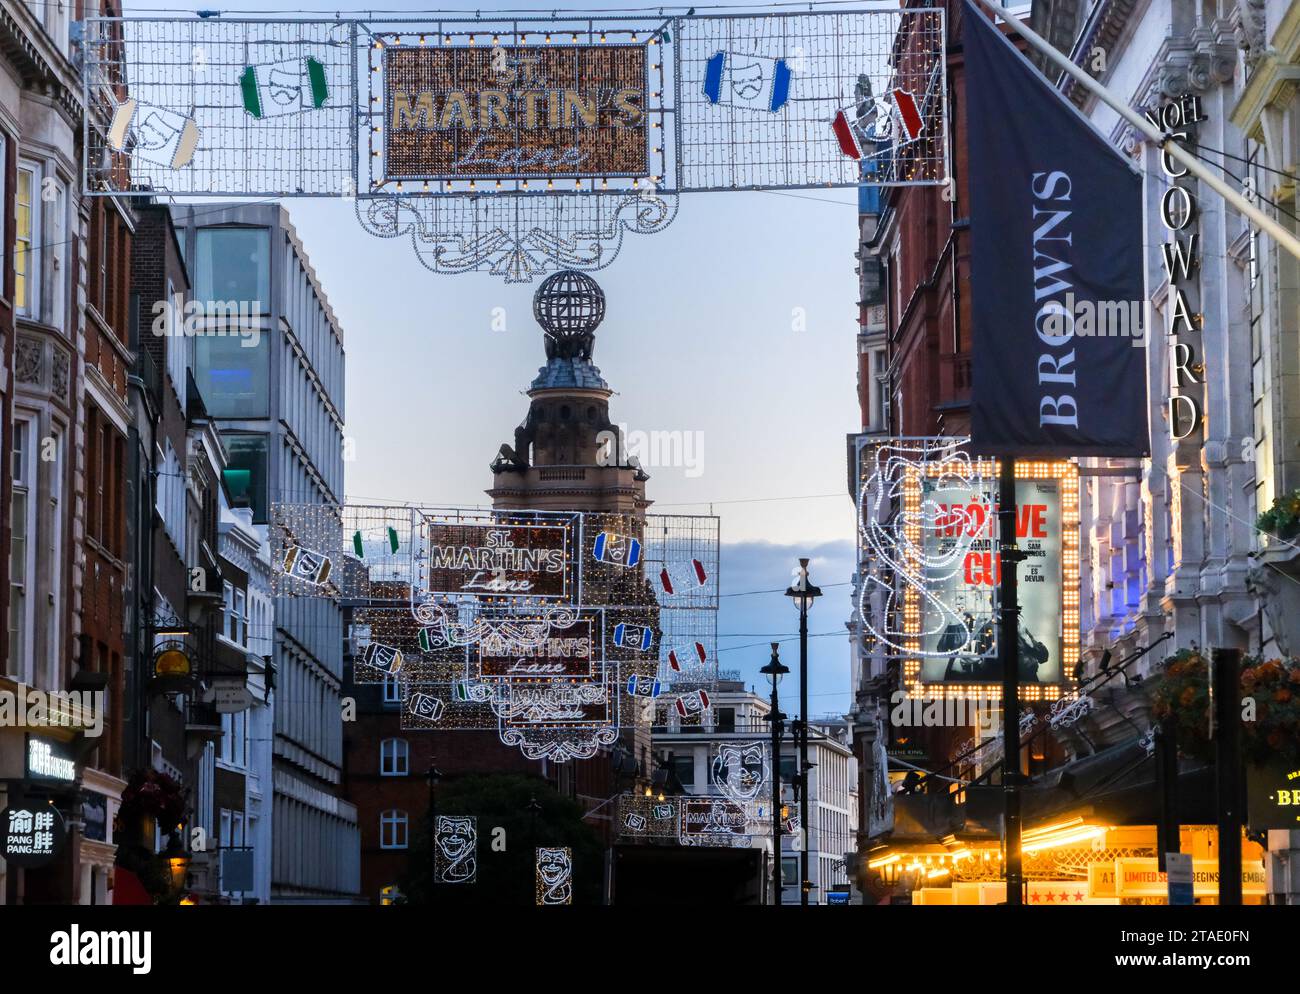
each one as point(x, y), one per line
point(64, 323)
point(914, 379)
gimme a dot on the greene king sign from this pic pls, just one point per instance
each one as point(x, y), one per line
point(496, 112)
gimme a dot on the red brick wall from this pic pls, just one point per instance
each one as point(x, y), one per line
point(931, 347)
point(454, 753)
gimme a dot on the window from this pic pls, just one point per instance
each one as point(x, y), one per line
point(246, 463)
point(228, 609)
point(52, 459)
point(394, 757)
point(233, 374)
point(58, 14)
point(724, 720)
point(102, 241)
point(789, 871)
point(58, 242)
point(684, 768)
point(171, 495)
point(4, 202)
point(789, 768)
point(234, 739)
point(239, 619)
point(177, 343)
point(22, 566)
point(392, 690)
point(27, 240)
point(392, 829)
point(234, 264)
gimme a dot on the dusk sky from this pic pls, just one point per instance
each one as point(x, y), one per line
point(735, 326)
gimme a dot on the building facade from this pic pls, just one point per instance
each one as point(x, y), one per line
point(64, 322)
point(736, 718)
point(274, 390)
point(1172, 557)
point(1267, 114)
point(913, 354)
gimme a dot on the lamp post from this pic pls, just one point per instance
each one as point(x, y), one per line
point(774, 671)
point(803, 593)
point(433, 775)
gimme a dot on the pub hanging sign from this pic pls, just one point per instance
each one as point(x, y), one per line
point(515, 112)
point(1273, 794)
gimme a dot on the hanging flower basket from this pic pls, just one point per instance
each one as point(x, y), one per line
point(151, 799)
point(1270, 692)
point(1182, 691)
point(152, 794)
point(1274, 685)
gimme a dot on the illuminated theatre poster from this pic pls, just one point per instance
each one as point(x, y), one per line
point(929, 548)
point(516, 145)
point(557, 630)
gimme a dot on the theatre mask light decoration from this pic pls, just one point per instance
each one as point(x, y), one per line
point(456, 849)
point(741, 770)
point(519, 145)
point(554, 875)
point(552, 628)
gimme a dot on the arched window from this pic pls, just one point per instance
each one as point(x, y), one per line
point(392, 829)
point(564, 412)
point(394, 756)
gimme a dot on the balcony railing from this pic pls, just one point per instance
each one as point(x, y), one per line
point(562, 473)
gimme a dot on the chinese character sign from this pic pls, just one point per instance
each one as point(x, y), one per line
point(33, 834)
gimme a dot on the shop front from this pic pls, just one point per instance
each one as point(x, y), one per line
point(55, 813)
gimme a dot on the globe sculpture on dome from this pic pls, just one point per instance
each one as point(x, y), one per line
point(569, 306)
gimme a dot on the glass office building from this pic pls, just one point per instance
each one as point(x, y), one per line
point(269, 366)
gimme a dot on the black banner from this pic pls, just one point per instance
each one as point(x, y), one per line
point(1059, 343)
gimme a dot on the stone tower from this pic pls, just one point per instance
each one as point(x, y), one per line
point(567, 454)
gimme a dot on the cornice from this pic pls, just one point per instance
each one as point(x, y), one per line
point(1273, 82)
point(39, 65)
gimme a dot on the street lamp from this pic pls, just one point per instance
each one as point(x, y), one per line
point(802, 593)
point(774, 671)
point(433, 775)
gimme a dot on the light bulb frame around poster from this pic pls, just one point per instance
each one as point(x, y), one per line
point(905, 591)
